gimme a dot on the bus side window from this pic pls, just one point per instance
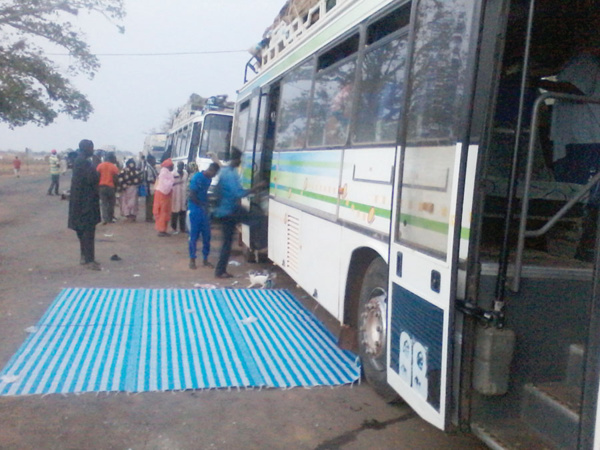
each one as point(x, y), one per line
point(380, 97)
point(295, 93)
point(332, 99)
point(195, 144)
point(241, 125)
point(382, 78)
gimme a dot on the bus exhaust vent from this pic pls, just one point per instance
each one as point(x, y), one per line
point(293, 243)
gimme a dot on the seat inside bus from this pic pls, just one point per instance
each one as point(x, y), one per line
point(560, 30)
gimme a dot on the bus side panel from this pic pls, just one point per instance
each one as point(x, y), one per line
point(366, 188)
point(308, 178)
point(307, 248)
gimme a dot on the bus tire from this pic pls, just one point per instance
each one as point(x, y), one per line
point(372, 326)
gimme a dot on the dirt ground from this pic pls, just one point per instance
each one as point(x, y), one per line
point(39, 256)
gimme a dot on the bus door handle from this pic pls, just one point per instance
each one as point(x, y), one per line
point(436, 281)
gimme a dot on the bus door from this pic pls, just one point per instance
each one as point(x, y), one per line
point(261, 166)
point(263, 155)
point(428, 198)
point(258, 149)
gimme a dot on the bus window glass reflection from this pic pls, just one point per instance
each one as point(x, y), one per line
point(331, 107)
point(380, 99)
point(295, 94)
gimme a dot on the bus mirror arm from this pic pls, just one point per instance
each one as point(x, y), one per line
point(492, 318)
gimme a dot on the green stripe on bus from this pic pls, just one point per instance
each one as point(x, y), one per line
point(432, 225)
point(282, 191)
point(427, 224)
point(415, 221)
point(465, 233)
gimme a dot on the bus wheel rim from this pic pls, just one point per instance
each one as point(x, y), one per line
point(374, 326)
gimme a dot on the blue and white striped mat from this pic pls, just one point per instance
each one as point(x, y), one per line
point(135, 340)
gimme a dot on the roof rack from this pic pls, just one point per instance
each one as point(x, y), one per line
point(289, 28)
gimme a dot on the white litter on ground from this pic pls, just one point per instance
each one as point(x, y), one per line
point(249, 320)
point(9, 378)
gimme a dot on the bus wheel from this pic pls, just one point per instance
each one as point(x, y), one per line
point(372, 339)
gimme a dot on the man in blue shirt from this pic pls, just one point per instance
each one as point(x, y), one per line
point(199, 218)
point(229, 211)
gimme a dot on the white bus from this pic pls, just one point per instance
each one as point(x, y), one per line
point(154, 144)
point(196, 134)
point(405, 144)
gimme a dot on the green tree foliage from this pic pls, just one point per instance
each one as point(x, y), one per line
point(33, 89)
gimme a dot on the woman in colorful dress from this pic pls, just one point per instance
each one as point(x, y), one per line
point(129, 180)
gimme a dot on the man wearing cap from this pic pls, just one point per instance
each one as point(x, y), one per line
point(162, 197)
point(54, 173)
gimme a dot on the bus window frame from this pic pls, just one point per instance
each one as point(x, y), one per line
point(194, 146)
point(281, 81)
point(397, 35)
point(251, 136)
point(359, 32)
point(204, 130)
point(325, 72)
point(238, 134)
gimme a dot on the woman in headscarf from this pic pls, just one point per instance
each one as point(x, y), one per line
point(129, 180)
point(162, 197)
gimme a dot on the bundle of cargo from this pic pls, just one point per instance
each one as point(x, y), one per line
point(293, 20)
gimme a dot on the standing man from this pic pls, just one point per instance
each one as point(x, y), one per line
point(178, 198)
point(108, 171)
point(54, 173)
point(149, 175)
point(229, 211)
point(17, 166)
point(84, 203)
point(162, 197)
point(199, 218)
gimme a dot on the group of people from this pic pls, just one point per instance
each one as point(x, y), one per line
point(171, 196)
point(172, 203)
point(127, 184)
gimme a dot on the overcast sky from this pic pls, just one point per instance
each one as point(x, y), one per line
point(132, 95)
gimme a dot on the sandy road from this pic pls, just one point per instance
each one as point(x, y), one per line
point(39, 256)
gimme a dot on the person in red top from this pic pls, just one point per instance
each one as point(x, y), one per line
point(17, 166)
point(108, 174)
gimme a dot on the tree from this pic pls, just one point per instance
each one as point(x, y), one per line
point(33, 89)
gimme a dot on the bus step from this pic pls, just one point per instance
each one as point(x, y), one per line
point(552, 409)
point(510, 434)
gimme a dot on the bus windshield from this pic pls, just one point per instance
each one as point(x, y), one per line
point(216, 135)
